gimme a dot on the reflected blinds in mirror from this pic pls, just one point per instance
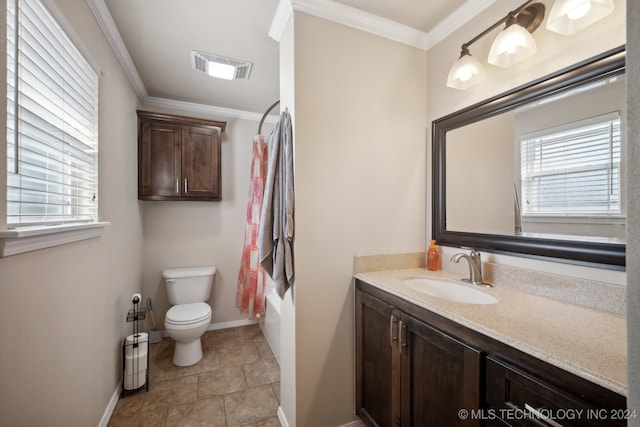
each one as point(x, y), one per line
point(573, 170)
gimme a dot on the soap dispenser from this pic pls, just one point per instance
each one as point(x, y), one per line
point(433, 257)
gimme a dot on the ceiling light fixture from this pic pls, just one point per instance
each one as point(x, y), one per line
point(220, 67)
point(570, 16)
point(513, 44)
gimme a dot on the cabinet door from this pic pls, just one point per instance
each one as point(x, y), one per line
point(377, 362)
point(160, 159)
point(201, 162)
point(440, 377)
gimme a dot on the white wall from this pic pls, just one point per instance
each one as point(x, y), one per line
point(359, 136)
point(288, 313)
point(188, 234)
point(63, 309)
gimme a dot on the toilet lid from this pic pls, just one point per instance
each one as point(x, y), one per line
point(188, 313)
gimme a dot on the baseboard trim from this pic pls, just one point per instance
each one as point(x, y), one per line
point(231, 324)
point(282, 418)
point(285, 423)
point(104, 421)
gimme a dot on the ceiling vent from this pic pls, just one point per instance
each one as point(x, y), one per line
point(220, 66)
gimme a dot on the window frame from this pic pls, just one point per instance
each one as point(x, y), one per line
point(20, 238)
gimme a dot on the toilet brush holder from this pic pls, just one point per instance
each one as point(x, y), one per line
point(155, 335)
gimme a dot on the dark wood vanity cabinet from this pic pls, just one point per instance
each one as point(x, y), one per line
point(439, 376)
point(377, 360)
point(408, 373)
point(178, 157)
point(520, 397)
point(416, 368)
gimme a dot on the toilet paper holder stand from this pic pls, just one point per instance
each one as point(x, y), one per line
point(135, 353)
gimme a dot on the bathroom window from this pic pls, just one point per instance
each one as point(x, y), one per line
point(52, 122)
point(573, 170)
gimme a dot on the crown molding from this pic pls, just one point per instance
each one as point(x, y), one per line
point(209, 110)
point(356, 18)
point(351, 17)
point(365, 21)
point(105, 20)
point(456, 20)
point(280, 19)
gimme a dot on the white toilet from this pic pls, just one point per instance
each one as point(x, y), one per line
point(187, 290)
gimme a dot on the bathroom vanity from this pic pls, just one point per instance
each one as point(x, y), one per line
point(525, 360)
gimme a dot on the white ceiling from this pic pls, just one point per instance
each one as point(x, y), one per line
point(153, 40)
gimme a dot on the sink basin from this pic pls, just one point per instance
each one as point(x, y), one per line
point(450, 290)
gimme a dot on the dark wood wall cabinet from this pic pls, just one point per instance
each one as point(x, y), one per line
point(416, 368)
point(178, 157)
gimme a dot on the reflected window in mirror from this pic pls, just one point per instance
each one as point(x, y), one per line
point(570, 164)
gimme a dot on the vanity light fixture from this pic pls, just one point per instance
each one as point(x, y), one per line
point(513, 44)
point(466, 71)
point(570, 16)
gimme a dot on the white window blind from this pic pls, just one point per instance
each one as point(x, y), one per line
point(52, 122)
point(574, 170)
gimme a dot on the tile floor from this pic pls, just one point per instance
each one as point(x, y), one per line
point(235, 384)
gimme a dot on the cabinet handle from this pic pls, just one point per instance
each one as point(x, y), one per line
point(540, 416)
point(186, 189)
point(177, 185)
point(401, 332)
point(392, 337)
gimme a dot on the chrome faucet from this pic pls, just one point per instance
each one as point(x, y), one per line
point(475, 266)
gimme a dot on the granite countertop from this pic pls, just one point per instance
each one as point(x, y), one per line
point(584, 341)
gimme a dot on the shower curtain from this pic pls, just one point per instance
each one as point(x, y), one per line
point(251, 279)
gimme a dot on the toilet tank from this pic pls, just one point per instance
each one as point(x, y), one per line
point(188, 284)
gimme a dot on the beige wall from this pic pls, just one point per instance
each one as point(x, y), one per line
point(360, 129)
point(633, 217)
point(480, 177)
point(63, 309)
point(204, 233)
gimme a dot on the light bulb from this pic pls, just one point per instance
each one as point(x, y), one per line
point(570, 16)
point(579, 11)
point(465, 72)
point(465, 75)
point(512, 45)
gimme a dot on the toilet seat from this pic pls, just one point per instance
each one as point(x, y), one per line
point(185, 314)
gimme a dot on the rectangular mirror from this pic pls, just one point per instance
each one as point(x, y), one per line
point(539, 170)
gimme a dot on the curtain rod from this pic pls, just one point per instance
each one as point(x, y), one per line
point(264, 116)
